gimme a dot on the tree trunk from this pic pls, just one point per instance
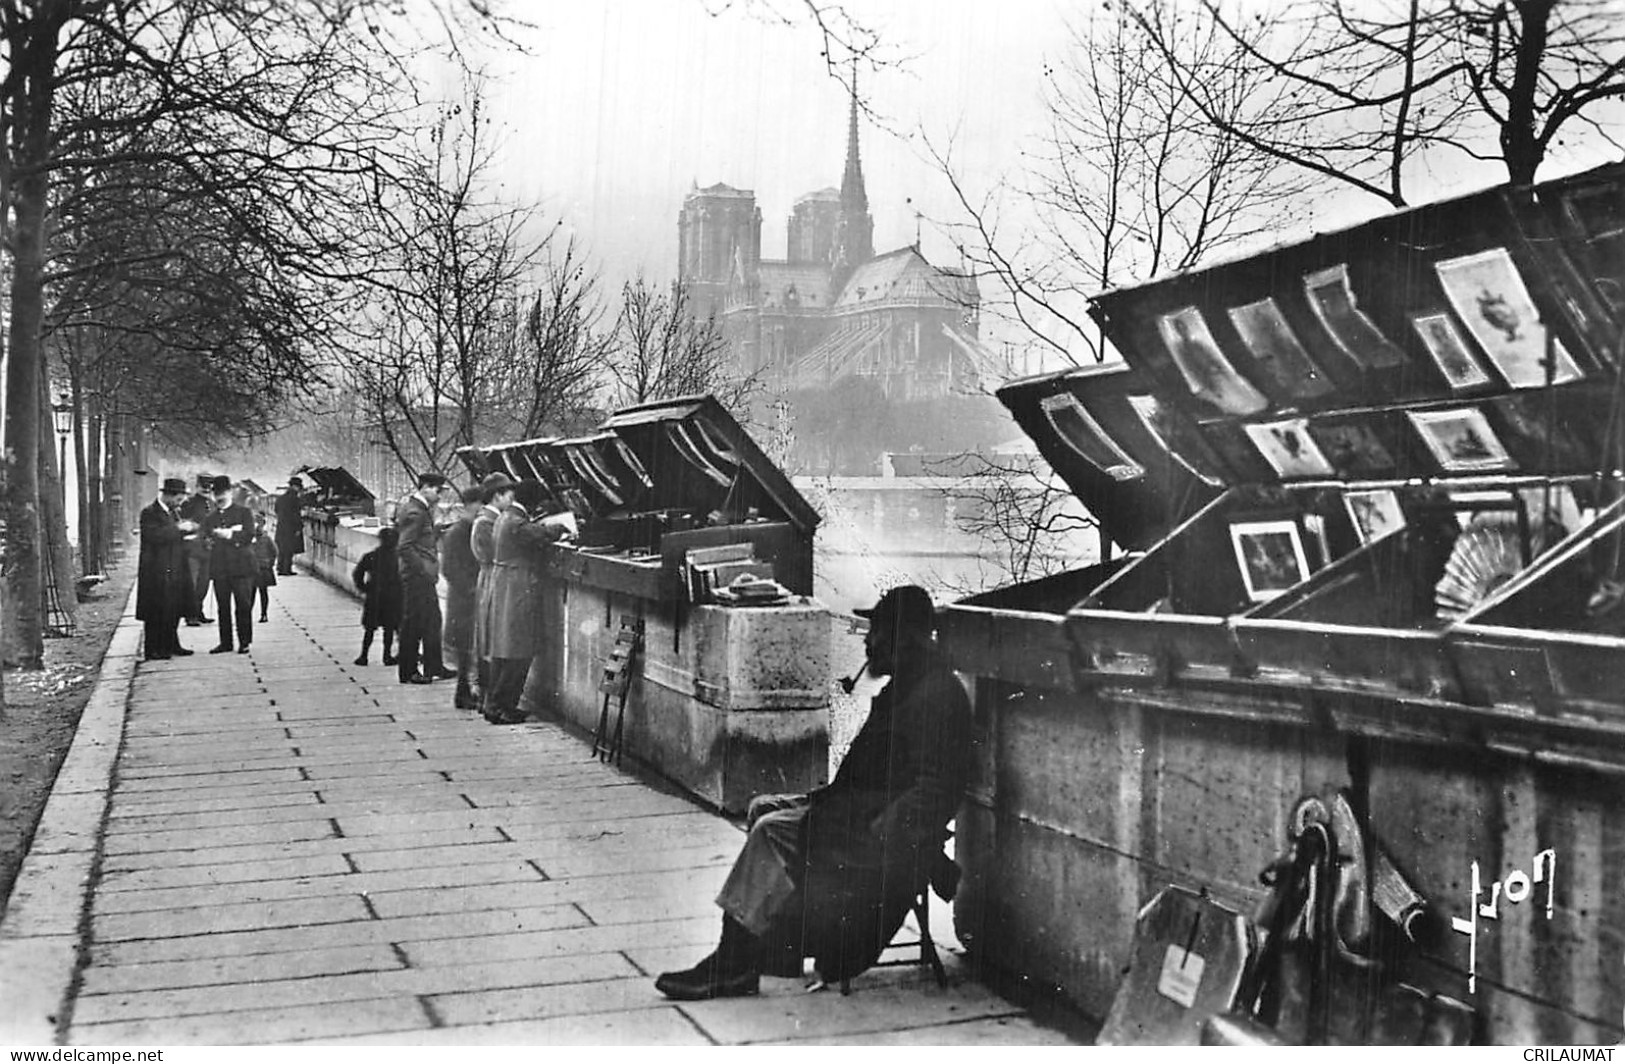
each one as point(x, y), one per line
point(34, 58)
point(95, 487)
point(1519, 143)
point(88, 561)
point(58, 559)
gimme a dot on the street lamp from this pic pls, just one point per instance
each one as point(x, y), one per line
point(62, 415)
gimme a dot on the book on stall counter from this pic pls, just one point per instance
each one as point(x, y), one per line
point(565, 520)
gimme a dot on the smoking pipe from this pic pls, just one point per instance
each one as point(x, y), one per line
point(848, 683)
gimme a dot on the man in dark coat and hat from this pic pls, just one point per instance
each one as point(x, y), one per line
point(232, 566)
point(163, 588)
point(832, 874)
point(417, 557)
point(196, 508)
point(290, 526)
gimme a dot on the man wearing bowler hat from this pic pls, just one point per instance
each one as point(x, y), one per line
point(163, 588)
point(832, 874)
point(232, 566)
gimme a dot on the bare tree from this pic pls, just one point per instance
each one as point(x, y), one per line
point(1369, 94)
point(662, 350)
point(455, 258)
point(1128, 180)
point(271, 116)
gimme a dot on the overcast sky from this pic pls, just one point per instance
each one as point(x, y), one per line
point(623, 105)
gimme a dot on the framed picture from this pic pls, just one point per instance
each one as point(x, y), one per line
point(1286, 446)
point(1160, 423)
point(1460, 440)
point(1448, 348)
point(1208, 375)
point(1488, 293)
point(1277, 351)
point(1081, 432)
point(1332, 299)
point(1270, 555)
point(1374, 514)
point(1352, 448)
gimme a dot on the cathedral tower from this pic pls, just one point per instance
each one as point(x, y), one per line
point(719, 236)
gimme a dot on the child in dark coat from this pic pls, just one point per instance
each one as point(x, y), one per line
point(379, 582)
point(265, 559)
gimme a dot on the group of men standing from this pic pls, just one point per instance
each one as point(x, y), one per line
point(491, 556)
point(187, 545)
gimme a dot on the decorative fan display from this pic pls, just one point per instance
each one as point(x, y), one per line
point(1486, 555)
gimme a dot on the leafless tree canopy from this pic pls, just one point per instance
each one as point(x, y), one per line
point(1362, 92)
point(1128, 180)
point(662, 350)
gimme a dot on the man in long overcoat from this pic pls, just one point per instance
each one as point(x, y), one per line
point(832, 874)
point(417, 555)
point(163, 588)
point(496, 493)
point(518, 589)
point(290, 526)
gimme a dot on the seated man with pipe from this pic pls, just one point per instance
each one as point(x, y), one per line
point(832, 874)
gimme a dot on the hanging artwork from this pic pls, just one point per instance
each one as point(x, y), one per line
point(1352, 448)
point(1276, 350)
point(1449, 351)
point(1270, 556)
point(1332, 299)
point(1286, 446)
point(1208, 375)
point(1489, 294)
point(1460, 440)
point(1080, 431)
point(1165, 430)
point(1374, 514)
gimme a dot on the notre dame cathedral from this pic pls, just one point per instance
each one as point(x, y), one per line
point(833, 317)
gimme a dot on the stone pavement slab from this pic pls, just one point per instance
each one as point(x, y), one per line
point(284, 847)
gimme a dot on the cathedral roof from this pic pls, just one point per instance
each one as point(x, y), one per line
point(905, 276)
point(808, 280)
point(823, 195)
point(722, 191)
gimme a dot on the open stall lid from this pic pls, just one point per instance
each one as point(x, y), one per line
point(1133, 460)
point(693, 440)
point(335, 484)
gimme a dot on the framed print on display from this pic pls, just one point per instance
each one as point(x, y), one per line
point(1277, 351)
point(1461, 441)
point(1081, 432)
point(1209, 376)
point(1374, 513)
point(1286, 446)
point(1449, 351)
point(1489, 295)
point(1332, 298)
point(1270, 556)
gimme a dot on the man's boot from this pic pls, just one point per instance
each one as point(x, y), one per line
point(731, 971)
point(366, 646)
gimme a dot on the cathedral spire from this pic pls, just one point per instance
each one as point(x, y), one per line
point(854, 229)
point(853, 195)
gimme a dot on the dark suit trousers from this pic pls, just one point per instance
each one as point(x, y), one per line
point(235, 594)
point(197, 566)
point(506, 688)
point(420, 627)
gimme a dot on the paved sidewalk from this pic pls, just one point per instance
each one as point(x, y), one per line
point(300, 849)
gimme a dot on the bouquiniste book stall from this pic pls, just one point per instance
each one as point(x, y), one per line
point(1370, 605)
